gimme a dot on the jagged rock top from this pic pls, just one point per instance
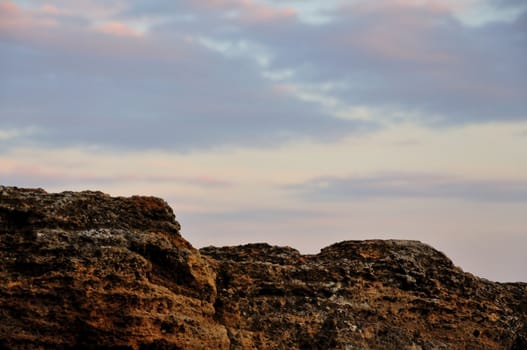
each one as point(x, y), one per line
point(36, 208)
point(83, 270)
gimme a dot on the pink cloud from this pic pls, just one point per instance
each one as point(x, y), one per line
point(87, 9)
point(398, 30)
point(28, 23)
point(255, 12)
point(50, 9)
point(403, 45)
point(16, 18)
point(283, 89)
point(9, 8)
point(44, 28)
point(27, 171)
point(12, 171)
point(118, 29)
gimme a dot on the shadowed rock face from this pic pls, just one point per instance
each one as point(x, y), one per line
point(85, 270)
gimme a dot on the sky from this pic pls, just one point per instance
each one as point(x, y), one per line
point(299, 123)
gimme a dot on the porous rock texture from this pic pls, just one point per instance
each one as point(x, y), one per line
point(87, 271)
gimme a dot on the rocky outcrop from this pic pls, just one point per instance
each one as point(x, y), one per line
point(362, 295)
point(88, 271)
point(85, 270)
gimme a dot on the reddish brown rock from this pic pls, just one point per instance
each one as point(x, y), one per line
point(86, 270)
point(363, 295)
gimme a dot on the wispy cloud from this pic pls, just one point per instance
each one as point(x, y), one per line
point(402, 185)
point(118, 28)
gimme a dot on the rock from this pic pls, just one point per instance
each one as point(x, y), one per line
point(85, 270)
point(362, 295)
point(88, 271)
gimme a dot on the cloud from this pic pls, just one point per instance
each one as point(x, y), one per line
point(420, 59)
point(411, 60)
point(14, 18)
point(242, 11)
point(246, 10)
point(411, 186)
point(13, 134)
point(169, 91)
point(242, 72)
point(117, 28)
point(414, 58)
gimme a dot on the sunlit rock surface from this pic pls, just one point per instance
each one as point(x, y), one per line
point(86, 271)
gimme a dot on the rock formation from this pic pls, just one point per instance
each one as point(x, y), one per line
point(87, 271)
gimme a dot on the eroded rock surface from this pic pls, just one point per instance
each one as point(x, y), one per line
point(85, 270)
point(362, 295)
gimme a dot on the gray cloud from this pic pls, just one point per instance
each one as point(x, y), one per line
point(166, 90)
point(410, 186)
point(162, 91)
point(414, 59)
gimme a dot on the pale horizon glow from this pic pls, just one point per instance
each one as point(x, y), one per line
point(302, 124)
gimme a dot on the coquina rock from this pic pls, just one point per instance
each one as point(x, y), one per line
point(88, 271)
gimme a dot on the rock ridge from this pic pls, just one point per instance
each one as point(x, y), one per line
point(84, 270)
